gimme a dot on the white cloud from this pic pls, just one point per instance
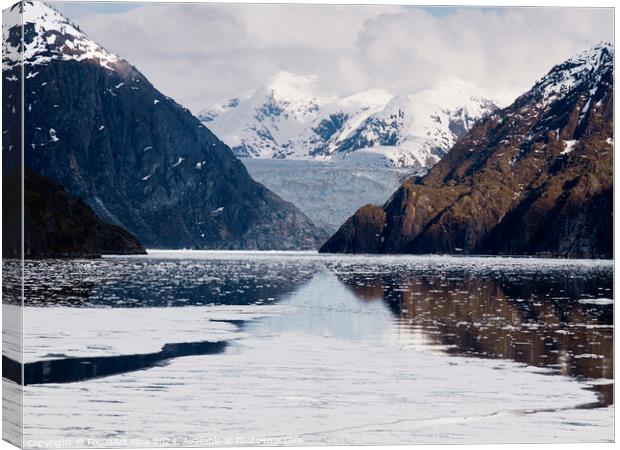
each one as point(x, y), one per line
point(201, 53)
point(498, 50)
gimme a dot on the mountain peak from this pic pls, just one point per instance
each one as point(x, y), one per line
point(112, 139)
point(49, 35)
point(585, 68)
point(289, 86)
point(596, 56)
point(286, 119)
point(44, 15)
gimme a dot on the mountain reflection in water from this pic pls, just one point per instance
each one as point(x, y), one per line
point(547, 320)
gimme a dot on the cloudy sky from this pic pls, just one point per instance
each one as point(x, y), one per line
point(203, 53)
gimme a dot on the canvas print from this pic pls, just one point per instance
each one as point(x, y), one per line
point(300, 225)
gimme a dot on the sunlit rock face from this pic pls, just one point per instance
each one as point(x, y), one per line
point(533, 178)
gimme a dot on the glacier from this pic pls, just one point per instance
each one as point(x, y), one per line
point(329, 192)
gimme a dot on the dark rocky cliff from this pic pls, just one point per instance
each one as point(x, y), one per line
point(57, 224)
point(96, 125)
point(535, 178)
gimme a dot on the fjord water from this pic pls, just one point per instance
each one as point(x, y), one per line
point(245, 348)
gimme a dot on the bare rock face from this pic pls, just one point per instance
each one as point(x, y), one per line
point(535, 178)
point(361, 233)
point(57, 224)
point(95, 125)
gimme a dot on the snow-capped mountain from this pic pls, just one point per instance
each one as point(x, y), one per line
point(418, 129)
point(48, 35)
point(286, 119)
point(534, 178)
point(95, 125)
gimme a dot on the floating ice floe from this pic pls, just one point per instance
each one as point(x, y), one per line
point(112, 331)
point(341, 392)
point(53, 136)
point(597, 301)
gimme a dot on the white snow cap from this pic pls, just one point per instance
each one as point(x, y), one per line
point(587, 66)
point(290, 87)
point(287, 118)
point(55, 38)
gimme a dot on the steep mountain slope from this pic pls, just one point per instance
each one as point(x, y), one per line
point(58, 225)
point(94, 124)
point(533, 178)
point(285, 119)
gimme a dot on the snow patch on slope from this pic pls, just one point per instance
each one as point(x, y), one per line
point(568, 146)
point(563, 78)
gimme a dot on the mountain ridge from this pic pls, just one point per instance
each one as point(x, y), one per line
point(534, 178)
point(286, 119)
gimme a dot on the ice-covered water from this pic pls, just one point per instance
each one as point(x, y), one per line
point(320, 349)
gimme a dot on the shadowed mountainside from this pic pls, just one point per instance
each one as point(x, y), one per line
point(57, 224)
